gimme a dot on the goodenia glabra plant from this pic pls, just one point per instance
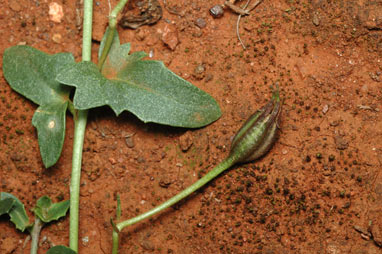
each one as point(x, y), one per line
point(121, 80)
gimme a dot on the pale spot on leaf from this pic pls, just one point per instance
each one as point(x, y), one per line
point(51, 124)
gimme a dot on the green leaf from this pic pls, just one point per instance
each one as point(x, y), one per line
point(60, 249)
point(17, 213)
point(146, 88)
point(32, 73)
point(50, 123)
point(48, 211)
point(6, 205)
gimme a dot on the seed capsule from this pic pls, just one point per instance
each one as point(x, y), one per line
point(258, 134)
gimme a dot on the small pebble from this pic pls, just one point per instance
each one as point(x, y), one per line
point(316, 19)
point(200, 22)
point(165, 183)
point(57, 38)
point(217, 11)
point(199, 71)
point(112, 161)
point(85, 240)
point(129, 142)
point(185, 141)
point(198, 34)
point(375, 76)
point(325, 109)
point(56, 12)
point(170, 36)
point(147, 244)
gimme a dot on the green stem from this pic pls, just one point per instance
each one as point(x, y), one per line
point(115, 242)
point(111, 31)
point(80, 120)
point(115, 230)
point(35, 235)
point(79, 134)
point(227, 163)
point(87, 31)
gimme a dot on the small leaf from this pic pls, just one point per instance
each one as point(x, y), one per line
point(48, 211)
point(60, 249)
point(17, 213)
point(6, 205)
point(50, 123)
point(146, 88)
point(32, 73)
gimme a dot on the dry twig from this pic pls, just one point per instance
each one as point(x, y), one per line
point(253, 6)
point(234, 8)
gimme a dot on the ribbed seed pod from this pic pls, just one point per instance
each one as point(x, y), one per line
point(258, 133)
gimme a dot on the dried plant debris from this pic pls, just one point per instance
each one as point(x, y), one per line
point(217, 11)
point(138, 13)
